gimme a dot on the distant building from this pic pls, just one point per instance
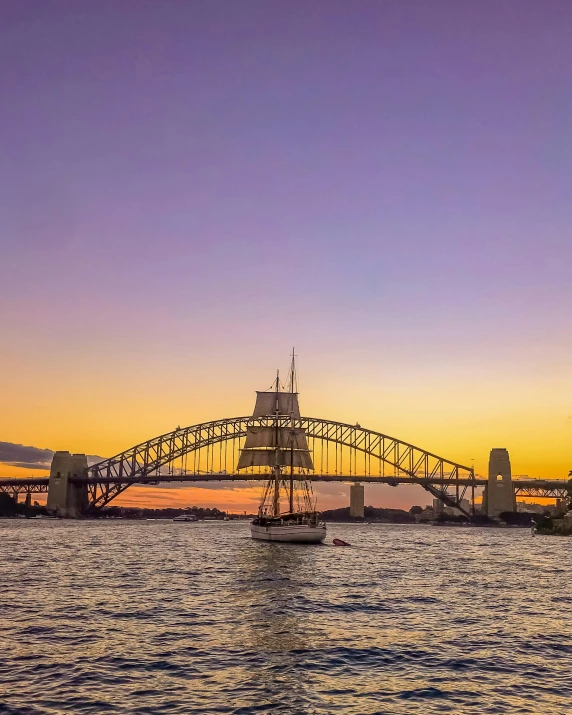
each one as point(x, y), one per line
point(465, 505)
point(440, 508)
point(531, 507)
point(426, 515)
point(561, 506)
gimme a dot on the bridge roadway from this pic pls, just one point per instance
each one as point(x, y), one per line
point(541, 488)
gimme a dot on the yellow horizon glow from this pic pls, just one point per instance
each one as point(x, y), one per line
point(459, 411)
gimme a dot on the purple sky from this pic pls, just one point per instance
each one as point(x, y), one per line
point(201, 185)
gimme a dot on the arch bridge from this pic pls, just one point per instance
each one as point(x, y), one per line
point(209, 452)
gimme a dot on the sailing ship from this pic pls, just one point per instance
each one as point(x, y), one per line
point(280, 445)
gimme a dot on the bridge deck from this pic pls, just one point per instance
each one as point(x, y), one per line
point(7, 482)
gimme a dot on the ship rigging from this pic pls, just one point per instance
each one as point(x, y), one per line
point(283, 449)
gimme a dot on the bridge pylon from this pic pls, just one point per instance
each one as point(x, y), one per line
point(499, 494)
point(67, 498)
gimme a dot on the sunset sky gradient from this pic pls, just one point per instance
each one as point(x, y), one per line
point(187, 190)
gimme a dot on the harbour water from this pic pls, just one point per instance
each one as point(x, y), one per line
point(160, 617)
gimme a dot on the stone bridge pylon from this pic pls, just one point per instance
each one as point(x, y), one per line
point(67, 498)
point(499, 494)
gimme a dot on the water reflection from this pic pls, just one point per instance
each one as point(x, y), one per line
point(267, 595)
point(268, 591)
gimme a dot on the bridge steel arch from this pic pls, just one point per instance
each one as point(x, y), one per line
point(142, 464)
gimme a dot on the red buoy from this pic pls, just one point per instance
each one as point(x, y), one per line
point(339, 542)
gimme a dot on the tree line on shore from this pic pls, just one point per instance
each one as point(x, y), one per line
point(124, 512)
point(10, 508)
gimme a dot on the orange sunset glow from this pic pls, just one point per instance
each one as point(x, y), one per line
point(419, 405)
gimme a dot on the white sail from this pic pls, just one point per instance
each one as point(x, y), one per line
point(267, 402)
point(269, 458)
point(283, 437)
point(274, 447)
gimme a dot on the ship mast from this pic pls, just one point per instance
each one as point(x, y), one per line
point(276, 495)
point(276, 440)
point(292, 390)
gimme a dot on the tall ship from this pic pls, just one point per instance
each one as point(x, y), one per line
point(280, 446)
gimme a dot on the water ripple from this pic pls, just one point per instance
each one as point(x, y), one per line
point(163, 618)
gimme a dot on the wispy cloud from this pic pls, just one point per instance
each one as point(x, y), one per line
point(27, 457)
point(19, 455)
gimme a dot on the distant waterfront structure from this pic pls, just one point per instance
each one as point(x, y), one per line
point(440, 508)
point(528, 507)
point(357, 500)
point(558, 509)
point(561, 506)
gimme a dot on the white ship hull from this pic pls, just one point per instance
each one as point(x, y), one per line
point(293, 533)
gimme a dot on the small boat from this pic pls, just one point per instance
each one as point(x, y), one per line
point(282, 447)
point(186, 517)
point(339, 542)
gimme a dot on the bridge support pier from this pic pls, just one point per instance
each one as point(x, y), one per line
point(357, 500)
point(65, 498)
point(499, 493)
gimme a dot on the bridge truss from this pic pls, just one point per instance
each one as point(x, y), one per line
point(340, 451)
point(541, 489)
point(30, 485)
